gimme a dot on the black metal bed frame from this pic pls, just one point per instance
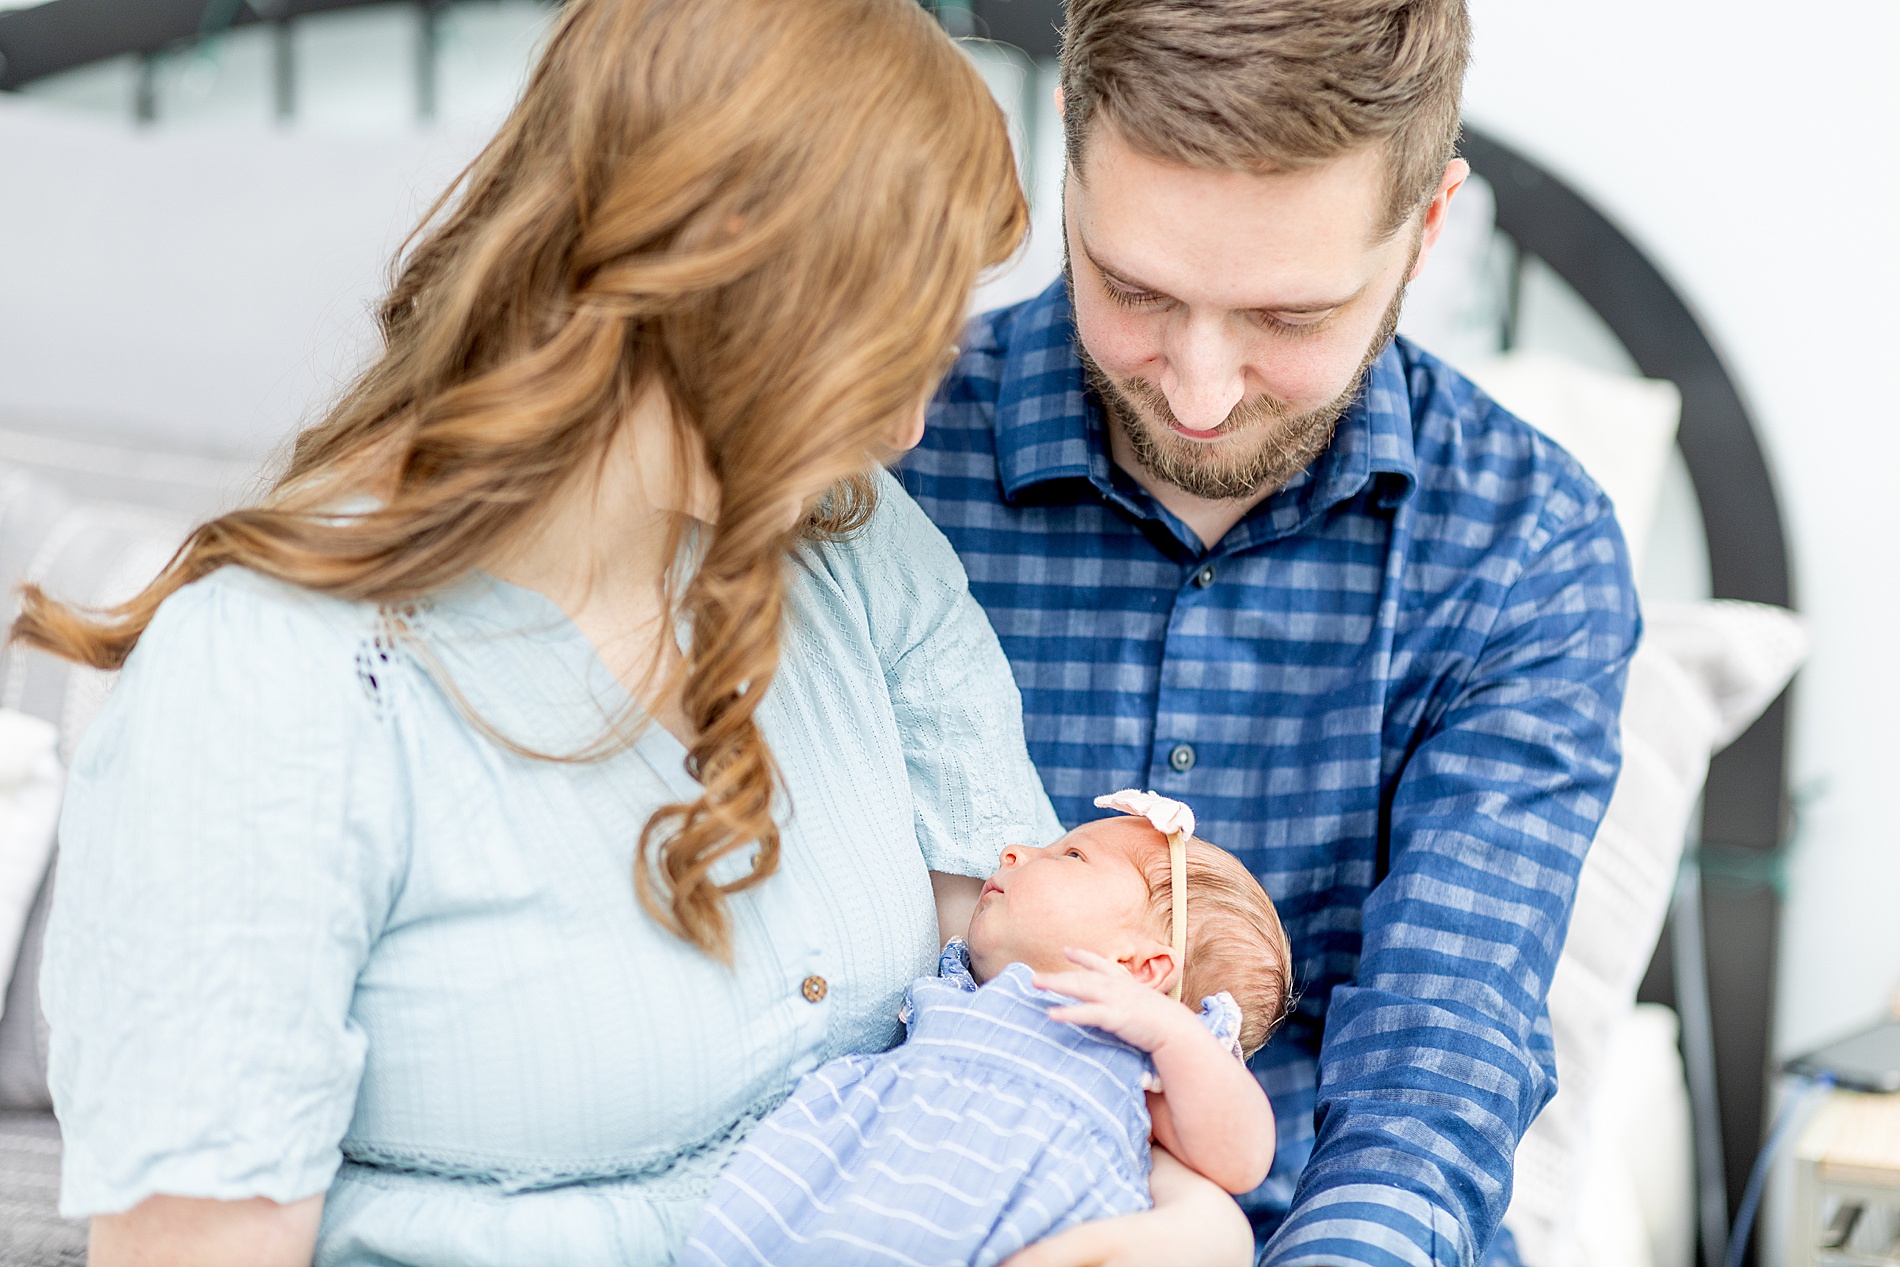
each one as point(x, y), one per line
point(1746, 807)
point(1746, 811)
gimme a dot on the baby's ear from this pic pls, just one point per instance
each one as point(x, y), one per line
point(1152, 964)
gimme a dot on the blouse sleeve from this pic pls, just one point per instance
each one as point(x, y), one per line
point(227, 859)
point(958, 712)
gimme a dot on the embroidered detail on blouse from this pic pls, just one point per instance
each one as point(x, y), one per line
point(691, 1166)
point(376, 657)
point(372, 669)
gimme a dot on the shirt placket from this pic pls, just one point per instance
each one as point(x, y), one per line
point(1176, 752)
point(801, 999)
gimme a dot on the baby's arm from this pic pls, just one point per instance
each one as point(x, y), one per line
point(1212, 1114)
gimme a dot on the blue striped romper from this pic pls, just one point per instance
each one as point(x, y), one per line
point(989, 1128)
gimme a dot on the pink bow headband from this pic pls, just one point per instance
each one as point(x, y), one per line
point(1175, 821)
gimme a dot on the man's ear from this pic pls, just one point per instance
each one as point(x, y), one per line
point(1436, 210)
point(1058, 101)
point(1152, 964)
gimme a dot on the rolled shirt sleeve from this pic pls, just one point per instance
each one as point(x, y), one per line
point(228, 855)
point(1438, 1055)
point(958, 713)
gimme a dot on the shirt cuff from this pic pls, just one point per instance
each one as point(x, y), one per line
point(1367, 1225)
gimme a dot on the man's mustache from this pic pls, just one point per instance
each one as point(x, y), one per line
point(1248, 413)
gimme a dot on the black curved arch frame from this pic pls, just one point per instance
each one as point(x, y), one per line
point(1745, 803)
point(62, 34)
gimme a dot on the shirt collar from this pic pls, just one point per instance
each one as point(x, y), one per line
point(1049, 427)
point(1043, 412)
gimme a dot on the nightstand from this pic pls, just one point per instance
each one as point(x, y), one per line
point(1847, 1184)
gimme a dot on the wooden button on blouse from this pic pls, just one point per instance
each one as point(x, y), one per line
point(814, 988)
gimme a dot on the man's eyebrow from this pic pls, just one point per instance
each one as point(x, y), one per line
point(1319, 305)
point(1118, 275)
point(1301, 308)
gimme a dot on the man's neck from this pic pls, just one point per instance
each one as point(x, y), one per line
point(1210, 520)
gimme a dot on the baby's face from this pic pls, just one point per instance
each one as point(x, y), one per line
point(1084, 891)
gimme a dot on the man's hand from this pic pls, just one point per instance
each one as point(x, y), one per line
point(1110, 999)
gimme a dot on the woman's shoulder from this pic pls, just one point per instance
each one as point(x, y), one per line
point(896, 577)
point(237, 640)
point(897, 550)
point(252, 616)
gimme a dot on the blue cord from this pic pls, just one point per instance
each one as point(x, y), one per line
point(1758, 1174)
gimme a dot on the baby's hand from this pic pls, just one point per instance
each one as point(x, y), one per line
point(1110, 999)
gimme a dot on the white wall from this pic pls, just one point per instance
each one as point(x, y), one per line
point(1748, 147)
point(206, 284)
point(208, 290)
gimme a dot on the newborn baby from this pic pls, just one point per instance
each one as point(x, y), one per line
point(1039, 1062)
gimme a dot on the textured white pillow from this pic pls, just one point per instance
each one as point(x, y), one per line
point(30, 786)
point(1703, 672)
point(1640, 1144)
point(1619, 427)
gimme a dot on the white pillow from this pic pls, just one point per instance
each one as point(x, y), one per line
point(1640, 1145)
point(30, 786)
point(96, 554)
point(1704, 671)
point(1619, 427)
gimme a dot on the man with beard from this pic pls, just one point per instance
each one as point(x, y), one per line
point(1246, 549)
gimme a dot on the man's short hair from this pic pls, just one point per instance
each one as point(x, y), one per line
point(1273, 85)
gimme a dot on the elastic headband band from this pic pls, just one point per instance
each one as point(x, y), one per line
point(1177, 863)
point(1175, 821)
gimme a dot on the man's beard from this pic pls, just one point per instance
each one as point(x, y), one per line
point(1285, 442)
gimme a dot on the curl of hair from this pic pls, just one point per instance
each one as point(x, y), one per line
point(774, 210)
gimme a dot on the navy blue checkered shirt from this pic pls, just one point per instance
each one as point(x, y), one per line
point(1392, 689)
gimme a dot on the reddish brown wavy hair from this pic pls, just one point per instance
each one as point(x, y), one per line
point(776, 210)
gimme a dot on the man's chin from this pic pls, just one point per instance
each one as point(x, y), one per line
point(1229, 464)
point(1205, 465)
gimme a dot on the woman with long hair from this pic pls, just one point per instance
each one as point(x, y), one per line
point(496, 820)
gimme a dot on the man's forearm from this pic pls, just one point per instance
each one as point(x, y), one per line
point(1438, 1055)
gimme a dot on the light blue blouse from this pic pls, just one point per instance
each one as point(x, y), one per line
point(314, 930)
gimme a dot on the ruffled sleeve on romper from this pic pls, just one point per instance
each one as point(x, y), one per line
point(1221, 1015)
point(228, 857)
point(956, 702)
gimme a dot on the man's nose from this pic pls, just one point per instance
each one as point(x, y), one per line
point(1203, 379)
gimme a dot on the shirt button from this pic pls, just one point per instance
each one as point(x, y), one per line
point(1182, 758)
point(1204, 577)
point(814, 989)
